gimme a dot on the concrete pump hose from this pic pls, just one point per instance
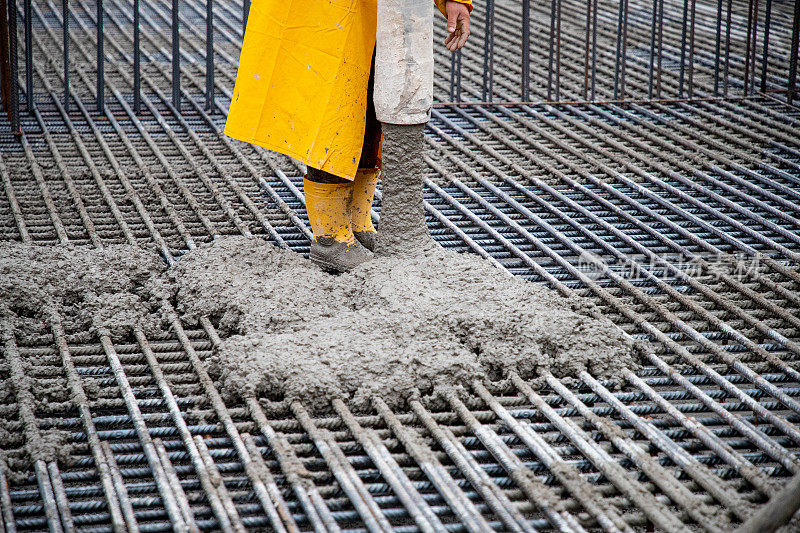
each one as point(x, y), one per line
point(403, 90)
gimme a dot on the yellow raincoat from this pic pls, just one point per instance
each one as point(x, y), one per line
point(301, 89)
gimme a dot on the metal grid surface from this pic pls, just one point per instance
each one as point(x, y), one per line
point(678, 219)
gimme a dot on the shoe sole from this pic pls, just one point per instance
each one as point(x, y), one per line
point(326, 265)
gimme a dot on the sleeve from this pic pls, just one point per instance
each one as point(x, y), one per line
point(442, 3)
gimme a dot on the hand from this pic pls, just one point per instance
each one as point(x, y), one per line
point(457, 25)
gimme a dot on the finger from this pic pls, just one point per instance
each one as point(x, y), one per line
point(451, 40)
point(463, 39)
point(464, 30)
point(454, 43)
point(452, 20)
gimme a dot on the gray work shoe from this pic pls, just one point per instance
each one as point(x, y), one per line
point(366, 238)
point(338, 256)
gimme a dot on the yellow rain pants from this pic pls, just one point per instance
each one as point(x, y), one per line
point(301, 89)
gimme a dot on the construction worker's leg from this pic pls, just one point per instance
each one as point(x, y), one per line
point(328, 199)
point(367, 175)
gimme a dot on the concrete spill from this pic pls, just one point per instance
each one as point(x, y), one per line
point(402, 226)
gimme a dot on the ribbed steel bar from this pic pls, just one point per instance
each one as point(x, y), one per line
point(130, 524)
point(168, 497)
point(710, 62)
point(233, 519)
point(526, 50)
point(679, 456)
point(224, 204)
point(130, 191)
point(45, 190)
point(589, 9)
point(659, 515)
point(210, 55)
point(175, 485)
point(30, 103)
point(14, 61)
point(717, 49)
point(794, 51)
point(583, 179)
point(594, 47)
point(487, 93)
point(155, 186)
point(27, 416)
point(11, 196)
point(679, 273)
point(551, 48)
point(741, 368)
point(100, 39)
point(462, 506)
point(5, 505)
point(282, 518)
point(137, 59)
point(739, 244)
point(719, 149)
point(223, 414)
point(348, 479)
point(211, 485)
point(473, 472)
point(229, 180)
point(600, 511)
point(65, 47)
point(317, 511)
point(765, 45)
point(79, 397)
point(745, 468)
point(176, 56)
point(417, 508)
point(660, 476)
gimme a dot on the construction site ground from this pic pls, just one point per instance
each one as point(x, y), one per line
point(678, 218)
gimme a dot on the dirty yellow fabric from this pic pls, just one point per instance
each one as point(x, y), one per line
point(328, 208)
point(440, 4)
point(363, 193)
point(301, 89)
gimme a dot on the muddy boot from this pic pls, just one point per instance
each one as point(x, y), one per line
point(361, 206)
point(338, 256)
point(402, 227)
point(334, 246)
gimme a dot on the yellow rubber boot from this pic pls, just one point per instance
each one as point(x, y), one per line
point(361, 206)
point(334, 246)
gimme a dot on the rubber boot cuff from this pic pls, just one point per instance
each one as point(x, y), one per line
point(361, 206)
point(327, 205)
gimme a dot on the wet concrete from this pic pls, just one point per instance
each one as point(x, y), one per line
point(89, 288)
point(404, 325)
point(399, 326)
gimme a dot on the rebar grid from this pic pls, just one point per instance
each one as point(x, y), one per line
point(597, 51)
point(678, 219)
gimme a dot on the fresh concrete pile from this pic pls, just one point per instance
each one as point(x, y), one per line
point(394, 327)
point(89, 288)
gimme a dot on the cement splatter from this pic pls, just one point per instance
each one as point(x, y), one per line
point(398, 326)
